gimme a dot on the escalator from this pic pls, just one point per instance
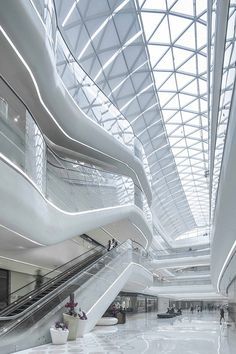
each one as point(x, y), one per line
point(95, 277)
point(28, 307)
point(65, 273)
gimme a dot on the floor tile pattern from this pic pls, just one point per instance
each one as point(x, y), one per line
point(144, 333)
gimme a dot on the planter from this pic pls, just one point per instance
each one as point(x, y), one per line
point(59, 336)
point(82, 328)
point(72, 324)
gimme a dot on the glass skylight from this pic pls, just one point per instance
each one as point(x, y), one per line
point(176, 38)
point(149, 58)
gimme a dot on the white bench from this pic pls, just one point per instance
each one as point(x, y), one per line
point(107, 321)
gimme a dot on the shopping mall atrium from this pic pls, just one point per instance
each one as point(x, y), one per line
point(118, 176)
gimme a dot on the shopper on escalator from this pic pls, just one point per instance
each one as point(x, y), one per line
point(38, 279)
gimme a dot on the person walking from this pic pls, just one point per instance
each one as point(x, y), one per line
point(191, 309)
point(222, 315)
point(109, 246)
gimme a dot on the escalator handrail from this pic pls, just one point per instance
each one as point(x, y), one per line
point(60, 287)
point(54, 270)
point(47, 296)
point(36, 292)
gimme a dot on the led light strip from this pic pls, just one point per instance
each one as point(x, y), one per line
point(15, 167)
point(48, 111)
point(18, 234)
point(25, 263)
point(225, 265)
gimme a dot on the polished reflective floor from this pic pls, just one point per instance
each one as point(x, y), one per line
point(144, 333)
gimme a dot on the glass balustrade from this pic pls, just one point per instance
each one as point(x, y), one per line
point(50, 277)
point(69, 184)
point(94, 103)
point(178, 282)
point(175, 253)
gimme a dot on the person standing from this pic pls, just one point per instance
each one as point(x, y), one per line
point(222, 314)
point(191, 309)
point(38, 279)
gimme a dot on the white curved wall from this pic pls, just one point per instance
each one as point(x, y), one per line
point(24, 210)
point(32, 74)
point(223, 242)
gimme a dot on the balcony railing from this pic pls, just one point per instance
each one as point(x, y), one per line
point(69, 184)
point(84, 91)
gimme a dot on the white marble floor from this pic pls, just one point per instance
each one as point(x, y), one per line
point(144, 333)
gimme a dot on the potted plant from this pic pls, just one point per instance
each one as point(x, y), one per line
point(72, 319)
point(59, 333)
point(82, 323)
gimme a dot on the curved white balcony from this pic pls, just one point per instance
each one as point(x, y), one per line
point(223, 254)
point(59, 198)
point(36, 80)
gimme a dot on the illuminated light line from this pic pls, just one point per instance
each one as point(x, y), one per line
point(26, 263)
point(9, 162)
point(230, 254)
point(114, 56)
point(48, 111)
point(117, 279)
point(17, 233)
point(69, 13)
point(100, 28)
point(142, 234)
point(173, 265)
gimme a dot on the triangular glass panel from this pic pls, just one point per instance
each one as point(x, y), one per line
point(203, 104)
point(167, 114)
point(174, 103)
point(166, 63)
point(201, 35)
point(176, 119)
point(181, 56)
point(183, 80)
point(162, 34)
point(161, 77)
point(170, 3)
point(204, 17)
point(196, 135)
point(164, 97)
point(170, 128)
point(170, 84)
point(153, 4)
point(177, 26)
point(151, 21)
point(188, 130)
point(201, 6)
point(194, 106)
point(187, 39)
point(191, 88)
point(189, 66)
point(156, 52)
point(183, 7)
point(174, 141)
point(185, 99)
point(202, 63)
point(202, 86)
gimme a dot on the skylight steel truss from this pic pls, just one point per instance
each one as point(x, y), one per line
point(178, 57)
point(115, 46)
